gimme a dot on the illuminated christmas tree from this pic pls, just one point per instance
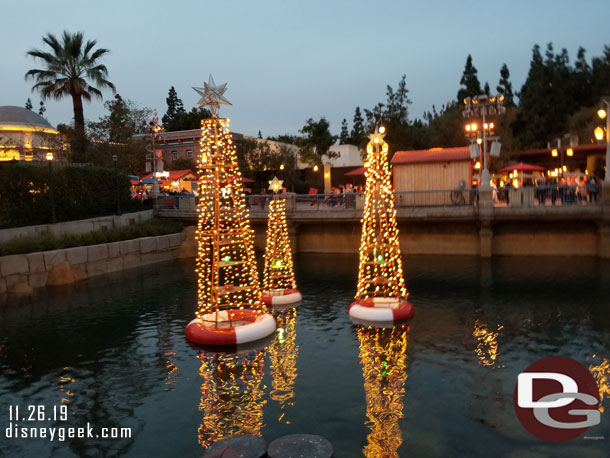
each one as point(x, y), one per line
point(283, 357)
point(228, 293)
point(382, 294)
point(279, 284)
point(382, 354)
point(231, 395)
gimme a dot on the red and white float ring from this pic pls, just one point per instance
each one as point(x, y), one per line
point(381, 309)
point(230, 327)
point(281, 296)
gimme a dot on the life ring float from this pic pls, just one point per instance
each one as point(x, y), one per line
point(381, 309)
point(230, 327)
point(281, 296)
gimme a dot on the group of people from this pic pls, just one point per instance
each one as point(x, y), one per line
point(567, 189)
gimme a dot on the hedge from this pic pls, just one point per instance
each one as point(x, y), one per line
point(79, 192)
point(45, 242)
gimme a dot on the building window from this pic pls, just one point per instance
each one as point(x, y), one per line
point(189, 153)
point(174, 155)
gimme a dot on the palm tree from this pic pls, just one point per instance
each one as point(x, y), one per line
point(71, 68)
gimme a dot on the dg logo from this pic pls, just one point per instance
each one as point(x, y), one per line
point(557, 399)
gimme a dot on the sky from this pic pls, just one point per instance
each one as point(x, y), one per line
point(286, 61)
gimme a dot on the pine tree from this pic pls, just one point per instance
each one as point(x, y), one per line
point(42, 108)
point(469, 81)
point(28, 104)
point(357, 134)
point(174, 109)
point(505, 87)
point(486, 88)
point(260, 135)
point(344, 137)
point(582, 79)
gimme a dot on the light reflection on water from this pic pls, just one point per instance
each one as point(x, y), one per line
point(115, 348)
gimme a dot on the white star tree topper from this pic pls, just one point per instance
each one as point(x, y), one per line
point(275, 185)
point(212, 95)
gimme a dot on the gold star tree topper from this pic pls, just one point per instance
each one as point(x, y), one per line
point(275, 185)
point(212, 95)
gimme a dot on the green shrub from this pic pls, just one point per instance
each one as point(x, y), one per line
point(45, 242)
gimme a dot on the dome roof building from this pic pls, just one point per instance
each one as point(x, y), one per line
point(25, 135)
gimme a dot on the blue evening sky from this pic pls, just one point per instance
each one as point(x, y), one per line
point(286, 61)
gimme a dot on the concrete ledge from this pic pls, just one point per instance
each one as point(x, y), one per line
point(33, 269)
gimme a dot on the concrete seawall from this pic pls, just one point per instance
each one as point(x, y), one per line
point(33, 269)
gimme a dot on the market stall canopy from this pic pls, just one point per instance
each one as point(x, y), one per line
point(149, 181)
point(356, 172)
point(522, 167)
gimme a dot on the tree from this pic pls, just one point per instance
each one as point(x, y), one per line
point(600, 75)
point(505, 87)
point(344, 136)
point(72, 68)
point(395, 116)
point(316, 142)
point(486, 88)
point(469, 81)
point(28, 104)
point(114, 134)
point(285, 138)
point(357, 135)
point(581, 80)
point(174, 109)
point(188, 120)
point(260, 135)
point(42, 108)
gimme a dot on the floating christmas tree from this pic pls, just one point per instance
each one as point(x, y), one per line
point(382, 294)
point(231, 395)
point(382, 355)
point(230, 309)
point(283, 357)
point(279, 284)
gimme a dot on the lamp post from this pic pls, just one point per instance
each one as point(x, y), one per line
point(483, 106)
point(49, 158)
point(603, 113)
point(155, 128)
point(116, 184)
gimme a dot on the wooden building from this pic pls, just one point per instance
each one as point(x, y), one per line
point(431, 174)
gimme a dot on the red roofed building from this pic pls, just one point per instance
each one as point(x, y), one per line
point(176, 180)
point(431, 169)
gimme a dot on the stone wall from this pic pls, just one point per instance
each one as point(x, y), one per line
point(81, 226)
point(33, 269)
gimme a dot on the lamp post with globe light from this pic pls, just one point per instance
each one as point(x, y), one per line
point(155, 128)
point(483, 106)
point(599, 135)
point(49, 158)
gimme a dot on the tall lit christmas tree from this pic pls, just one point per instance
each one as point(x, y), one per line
point(382, 294)
point(231, 395)
point(229, 296)
point(383, 354)
point(279, 284)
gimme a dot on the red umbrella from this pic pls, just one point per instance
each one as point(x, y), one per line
point(356, 172)
point(521, 167)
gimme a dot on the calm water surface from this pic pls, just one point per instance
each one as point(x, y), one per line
point(113, 350)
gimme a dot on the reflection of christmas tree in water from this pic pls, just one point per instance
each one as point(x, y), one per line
point(231, 395)
point(487, 343)
point(382, 355)
point(283, 356)
point(601, 372)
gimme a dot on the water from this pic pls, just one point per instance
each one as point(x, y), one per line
point(113, 350)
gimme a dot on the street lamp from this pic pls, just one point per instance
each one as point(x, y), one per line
point(599, 134)
point(115, 159)
point(483, 106)
point(49, 158)
point(155, 128)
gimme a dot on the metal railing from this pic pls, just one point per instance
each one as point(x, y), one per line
point(528, 196)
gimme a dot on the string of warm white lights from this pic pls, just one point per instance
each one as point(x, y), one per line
point(382, 355)
point(283, 358)
point(380, 270)
point(231, 395)
point(279, 270)
point(226, 266)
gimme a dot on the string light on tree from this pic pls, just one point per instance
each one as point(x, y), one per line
point(230, 310)
point(382, 294)
point(279, 284)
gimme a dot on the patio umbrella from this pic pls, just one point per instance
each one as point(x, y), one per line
point(356, 172)
point(521, 167)
point(149, 181)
